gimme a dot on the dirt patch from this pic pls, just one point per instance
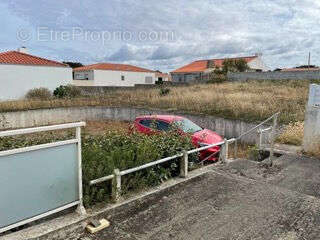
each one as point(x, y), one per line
point(266, 169)
point(100, 127)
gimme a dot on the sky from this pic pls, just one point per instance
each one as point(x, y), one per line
point(163, 35)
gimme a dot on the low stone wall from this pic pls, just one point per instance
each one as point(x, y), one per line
point(301, 75)
point(23, 119)
point(96, 90)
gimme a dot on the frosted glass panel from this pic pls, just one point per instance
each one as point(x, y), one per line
point(35, 182)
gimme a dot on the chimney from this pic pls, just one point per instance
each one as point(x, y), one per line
point(23, 50)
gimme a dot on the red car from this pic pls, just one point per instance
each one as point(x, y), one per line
point(153, 124)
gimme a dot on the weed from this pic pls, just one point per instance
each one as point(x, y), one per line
point(39, 93)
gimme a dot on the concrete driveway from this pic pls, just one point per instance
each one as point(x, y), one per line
point(221, 204)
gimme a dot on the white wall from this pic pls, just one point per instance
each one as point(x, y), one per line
point(311, 139)
point(257, 63)
point(17, 80)
point(113, 78)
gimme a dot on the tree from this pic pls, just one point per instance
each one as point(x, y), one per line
point(234, 65)
point(74, 64)
point(241, 65)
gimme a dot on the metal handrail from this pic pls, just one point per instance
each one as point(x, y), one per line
point(131, 170)
point(274, 117)
point(41, 129)
point(259, 125)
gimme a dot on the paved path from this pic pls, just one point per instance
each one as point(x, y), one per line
point(225, 204)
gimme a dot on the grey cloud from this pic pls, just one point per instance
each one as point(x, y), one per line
point(282, 29)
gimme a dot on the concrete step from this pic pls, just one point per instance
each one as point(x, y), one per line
point(284, 149)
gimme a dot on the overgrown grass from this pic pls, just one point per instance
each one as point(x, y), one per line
point(250, 101)
point(292, 134)
point(315, 152)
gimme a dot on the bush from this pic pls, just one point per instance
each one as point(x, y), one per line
point(101, 155)
point(67, 91)
point(217, 76)
point(39, 93)
point(164, 91)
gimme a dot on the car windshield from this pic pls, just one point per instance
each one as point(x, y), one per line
point(187, 126)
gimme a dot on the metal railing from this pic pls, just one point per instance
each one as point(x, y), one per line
point(274, 119)
point(117, 174)
point(47, 188)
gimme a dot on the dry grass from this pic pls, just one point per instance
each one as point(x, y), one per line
point(242, 151)
point(315, 152)
point(251, 101)
point(292, 134)
point(101, 127)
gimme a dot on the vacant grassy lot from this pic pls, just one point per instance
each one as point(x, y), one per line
point(250, 101)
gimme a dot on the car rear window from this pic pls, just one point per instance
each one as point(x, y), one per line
point(145, 122)
point(155, 124)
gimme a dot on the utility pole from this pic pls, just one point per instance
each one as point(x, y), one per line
point(309, 60)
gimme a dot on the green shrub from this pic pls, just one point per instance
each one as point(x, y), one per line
point(39, 93)
point(101, 155)
point(164, 91)
point(67, 91)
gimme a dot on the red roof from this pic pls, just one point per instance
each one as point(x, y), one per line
point(202, 65)
point(15, 57)
point(112, 67)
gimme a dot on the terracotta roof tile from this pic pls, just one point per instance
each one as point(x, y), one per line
point(202, 65)
point(112, 67)
point(19, 58)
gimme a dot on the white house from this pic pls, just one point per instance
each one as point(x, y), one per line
point(163, 77)
point(110, 74)
point(199, 70)
point(20, 72)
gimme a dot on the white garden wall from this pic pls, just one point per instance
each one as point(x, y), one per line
point(16, 80)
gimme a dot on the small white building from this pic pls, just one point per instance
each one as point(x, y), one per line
point(110, 74)
point(20, 72)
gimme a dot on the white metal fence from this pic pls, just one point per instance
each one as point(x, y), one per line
point(40, 180)
point(117, 174)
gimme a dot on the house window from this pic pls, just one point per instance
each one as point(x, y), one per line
point(81, 76)
point(148, 80)
point(122, 78)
